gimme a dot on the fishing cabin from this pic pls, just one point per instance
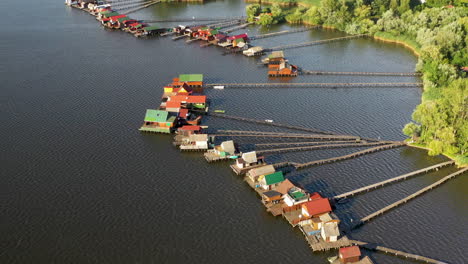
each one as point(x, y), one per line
point(349, 254)
point(195, 142)
point(269, 181)
point(194, 81)
point(149, 31)
point(158, 121)
point(254, 174)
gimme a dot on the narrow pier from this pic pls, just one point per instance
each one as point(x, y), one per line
point(312, 43)
point(402, 177)
point(187, 19)
point(318, 137)
point(271, 144)
point(264, 132)
point(128, 4)
point(261, 122)
point(349, 156)
point(142, 7)
point(284, 32)
point(401, 74)
point(229, 30)
point(398, 253)
point(309, 148)
point(412, 196)
point(317, 85)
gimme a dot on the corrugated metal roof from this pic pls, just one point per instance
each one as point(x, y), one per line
point(156, 115)
point(228, 146)
point(268, 169)
point(250, 157)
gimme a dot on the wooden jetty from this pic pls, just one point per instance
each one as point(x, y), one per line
point(398, 253)
point(392, 180)
point(402, 74)
point(243, 171)
point(142, 7)
point(283, 32)
point(229, 30)
point(412, 196)
point(317, 85)
point(318, 137)
point(262, 122)
point(312, 43)
point(227, 131)
point(187, 19)
point(349, 156)
point(306, 143)
point(317, 244)
point(309, 148)
point(210, 156)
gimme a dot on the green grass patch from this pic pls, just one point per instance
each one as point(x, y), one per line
point(309, 3)
point(401, 38)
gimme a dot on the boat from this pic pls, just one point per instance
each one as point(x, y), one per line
point(220, 111)
point(269, 120)
point(218, 87)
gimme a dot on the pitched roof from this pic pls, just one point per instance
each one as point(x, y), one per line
point(325, 217)
point(268, 169)
point(191, 77)
point(156, 115)
point(198, 137)
point(284, 187)
point(178, 98)
point(331, 229)
point(349, 252)
point(111, 14)
point(250, 157)
point(238, 36)
point(190, 128)
point(228, 146)
point(151, 28)
point(183, 113)
point(196, 99)
point(173, 104)
point(274, 178)
point(271, 194)
point(318, 206)
point(315, 196)
point(276, 54)
point(297, 194)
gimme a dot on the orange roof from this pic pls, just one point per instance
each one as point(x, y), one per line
point(178, 98)
point(318, 206)
point(197, 99)
point(172, 104)
point(315, 196)
point(190, 128)
point(183, 113)
point(349, 252)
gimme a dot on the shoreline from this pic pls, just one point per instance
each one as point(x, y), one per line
point(459, 165)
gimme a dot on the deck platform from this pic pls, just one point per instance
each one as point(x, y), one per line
point(243, 171)
point(318, 244)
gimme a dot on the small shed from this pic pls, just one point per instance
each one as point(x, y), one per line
point(253, 51)
point(192, 80)
point(227, 147)
point(349, 254)
point(271, 197)
point(253, 174)
point(330, 231)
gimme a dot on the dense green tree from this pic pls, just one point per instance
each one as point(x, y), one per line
point(265, 20)
point(252, 11)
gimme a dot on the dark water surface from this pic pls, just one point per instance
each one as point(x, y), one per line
point(80, 184)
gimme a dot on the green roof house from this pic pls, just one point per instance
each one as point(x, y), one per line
point(191, 78)
point(271, 180)
point(158, 121)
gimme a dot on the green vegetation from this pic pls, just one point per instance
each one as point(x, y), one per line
point(438, 32)
point(264, 16)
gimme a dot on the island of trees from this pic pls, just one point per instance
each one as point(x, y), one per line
point(437, 31)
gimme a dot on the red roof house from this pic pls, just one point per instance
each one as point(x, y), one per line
point(241, 36)
point(196, 99)
point(349, 254)
point(316, 207)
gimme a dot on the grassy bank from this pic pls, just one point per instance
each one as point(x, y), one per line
point(401, 39)
point(461, 161)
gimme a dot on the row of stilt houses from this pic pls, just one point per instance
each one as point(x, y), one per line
point(113, 19)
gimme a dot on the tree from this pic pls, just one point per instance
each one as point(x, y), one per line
point(252, 11)
point(312, 16)
point(265, 20)
point(412, 130)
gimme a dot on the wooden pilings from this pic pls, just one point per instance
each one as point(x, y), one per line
point(402, 177)
point(309, 148)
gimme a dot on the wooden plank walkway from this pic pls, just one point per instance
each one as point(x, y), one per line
point(349, 156)
point(305, 143)
point(317, 244)
point(402, 177)
point(283, 32)
point(228, 131)
point(312, 43)
point(317, 85)
point(412, 196)
point(188, 19)
point(402, 74)
point(142, 7)
point(327, 137)
point(399, 253)
point(128, 4)
point(312, 130)
point(309, 148)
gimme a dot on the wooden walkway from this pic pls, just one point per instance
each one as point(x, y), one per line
point(261, 122)
point(349, 156)
point(312, 43)
point(271, 144)
point(227, 131)
point(412, 196)
point(142, 7)
point(399, 253)
point(305, 136)
point(317, 243)
point(229, 30)
point(392, 180)
point(402, 74)
point(188, 19)
point(284, 32)
point(309, 148)
point(317, 85)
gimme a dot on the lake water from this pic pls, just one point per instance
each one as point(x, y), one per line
point(81, 184)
